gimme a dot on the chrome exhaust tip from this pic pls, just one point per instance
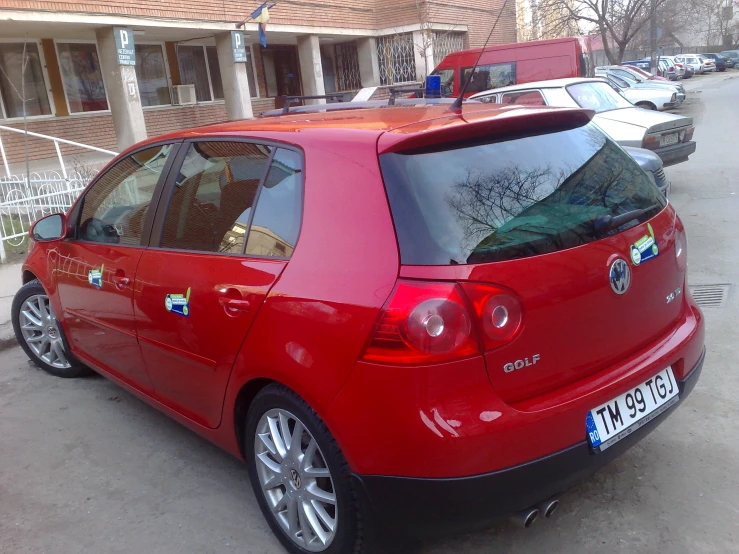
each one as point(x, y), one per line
point(526, 518)
point(548, 507)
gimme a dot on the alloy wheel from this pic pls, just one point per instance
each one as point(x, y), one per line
point(41, 332)
point(296, 480)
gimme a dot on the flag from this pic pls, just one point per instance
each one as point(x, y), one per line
point(261, 16)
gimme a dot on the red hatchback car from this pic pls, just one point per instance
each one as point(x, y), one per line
point(406, 317)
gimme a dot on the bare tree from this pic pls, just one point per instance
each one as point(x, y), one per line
point(617, 21)
point(25, 58)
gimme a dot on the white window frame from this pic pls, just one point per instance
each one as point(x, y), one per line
point(254, 72)
point(163, 46)
point(100, 61)
point(203, 45)
point(47, 82)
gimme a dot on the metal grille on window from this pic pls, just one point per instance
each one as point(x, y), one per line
point(347, 65)
point(445, 43)
point(396, 59)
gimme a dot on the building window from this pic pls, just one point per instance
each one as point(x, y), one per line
point(11, 81)
point(347, 66)
point(83, 80)
point(396, 58)
point(199, 66)
point(445, 43)
point(151, 75)
point(253, 88)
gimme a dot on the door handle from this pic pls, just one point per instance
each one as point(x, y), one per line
point(121, 281)
point(232, 305)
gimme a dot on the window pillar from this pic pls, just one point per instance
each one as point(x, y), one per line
point(369, 67)
point(123, 92)
point(311, 68)
point(423, 54)
point(235, 81)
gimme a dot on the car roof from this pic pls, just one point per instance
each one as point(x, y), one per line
point(554, 83)
point(370, 123)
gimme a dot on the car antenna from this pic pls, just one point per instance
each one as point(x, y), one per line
point(457, 105)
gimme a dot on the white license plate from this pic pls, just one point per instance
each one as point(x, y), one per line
point(614, 420)
point(666, 140)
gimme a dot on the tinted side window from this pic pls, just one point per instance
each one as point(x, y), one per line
point(213, 196)
point(487, 77)
point(526, 98)
point(276, 225)
point(114, 209)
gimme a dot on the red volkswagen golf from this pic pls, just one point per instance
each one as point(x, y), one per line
point(402, 317)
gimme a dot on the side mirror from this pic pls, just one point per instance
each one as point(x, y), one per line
point(49, 228)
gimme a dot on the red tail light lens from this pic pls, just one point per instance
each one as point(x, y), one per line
point(499, 311)
point(689, 134)
point(651, 142)
point(423, 323)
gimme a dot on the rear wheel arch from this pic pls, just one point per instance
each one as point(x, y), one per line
point(28, 276)
point(244, 398)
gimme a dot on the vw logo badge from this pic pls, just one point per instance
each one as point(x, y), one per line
point(620, 276)
point(295, 478)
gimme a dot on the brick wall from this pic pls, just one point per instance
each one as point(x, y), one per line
point(95, 130)
point(173, 118)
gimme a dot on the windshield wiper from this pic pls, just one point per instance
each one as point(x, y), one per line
point(608, 222)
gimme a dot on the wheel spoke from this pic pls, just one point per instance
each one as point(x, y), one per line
point(273, 466)
point(267, 442)
point(321, 495)
point(34, 308)
point(317, 472)
point(58, 349)
point(322, 514)
point(33, 318)
point(272, 483)
point(305, 525)
point(277, 438)
point(36, 338)
point(292, 517)
point(295, 449)
point(315, 525)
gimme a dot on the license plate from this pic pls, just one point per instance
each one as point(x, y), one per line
point(666, 140)
point(610, 422)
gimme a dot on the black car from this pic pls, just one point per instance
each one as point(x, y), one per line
point(721, 64)
point(732, 58)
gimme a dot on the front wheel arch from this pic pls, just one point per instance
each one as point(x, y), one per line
point(646, 105)
point(28, 276)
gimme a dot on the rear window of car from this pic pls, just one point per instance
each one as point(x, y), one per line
point(502, 200)
point(598, 96)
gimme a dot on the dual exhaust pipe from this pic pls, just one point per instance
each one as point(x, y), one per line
point(527, 517)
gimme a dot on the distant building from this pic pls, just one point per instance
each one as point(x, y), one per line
point(535, 23)
point(77, 90)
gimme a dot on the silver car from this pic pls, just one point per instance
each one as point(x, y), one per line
point(637, 81)
point(645, 96)
point(670, 136)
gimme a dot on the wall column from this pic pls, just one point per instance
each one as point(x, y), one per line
point(311, 69)
point(424, 55)
point(123, 92)
point(369, 67)
point(235, 83)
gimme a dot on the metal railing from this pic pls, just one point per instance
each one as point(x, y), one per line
point(26, 198)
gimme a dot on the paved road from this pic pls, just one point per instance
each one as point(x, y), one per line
point(85, 467)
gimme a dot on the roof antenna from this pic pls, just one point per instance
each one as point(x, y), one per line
point(457, 105)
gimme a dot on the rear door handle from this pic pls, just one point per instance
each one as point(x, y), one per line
point(234, 305)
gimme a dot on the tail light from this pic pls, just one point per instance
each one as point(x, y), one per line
point(673, 98)
point(679, 65)
point(688, 134)
point(681, 245)
point(429, 322)
point(651, 142)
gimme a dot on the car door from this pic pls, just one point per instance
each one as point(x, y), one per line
point(213, 259)
point(97, 267)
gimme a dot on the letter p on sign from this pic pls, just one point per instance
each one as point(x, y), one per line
point(124, 37)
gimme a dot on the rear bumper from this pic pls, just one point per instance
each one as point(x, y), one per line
point(676, 153)
point(443, 506)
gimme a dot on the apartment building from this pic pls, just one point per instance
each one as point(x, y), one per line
point(110, 73)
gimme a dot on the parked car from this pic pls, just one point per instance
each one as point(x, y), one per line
point(521, 62)
point(732, 57)
point(718, 60)
point(645, 95)
point(383, 379)
point(683, 71)
point(695, 63)
point(652, 165)
point(635, 80)
point(708, 63)
point(645, 74)
point(669, 69)
point(670, 136)
point(665, 70)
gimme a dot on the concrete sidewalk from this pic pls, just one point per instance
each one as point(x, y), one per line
point(10, 282)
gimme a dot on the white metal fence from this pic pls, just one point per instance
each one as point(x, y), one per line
point(26, 198)
point(23, 201)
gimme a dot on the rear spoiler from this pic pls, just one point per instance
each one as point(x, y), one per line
point(459, 127)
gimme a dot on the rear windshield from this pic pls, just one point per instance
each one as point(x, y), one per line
point(494, 201)
point(598, 96)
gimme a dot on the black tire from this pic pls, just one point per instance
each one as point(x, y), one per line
point(75, 369)
point(646, 105)
point(349, 536)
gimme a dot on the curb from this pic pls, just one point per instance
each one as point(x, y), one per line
point(7, 343)
point(7, 336)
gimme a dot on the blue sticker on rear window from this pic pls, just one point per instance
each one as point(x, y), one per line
point(178, 303)
point(95, 277)
point(645, 248)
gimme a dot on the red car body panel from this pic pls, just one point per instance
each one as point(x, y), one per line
point(313, 316)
